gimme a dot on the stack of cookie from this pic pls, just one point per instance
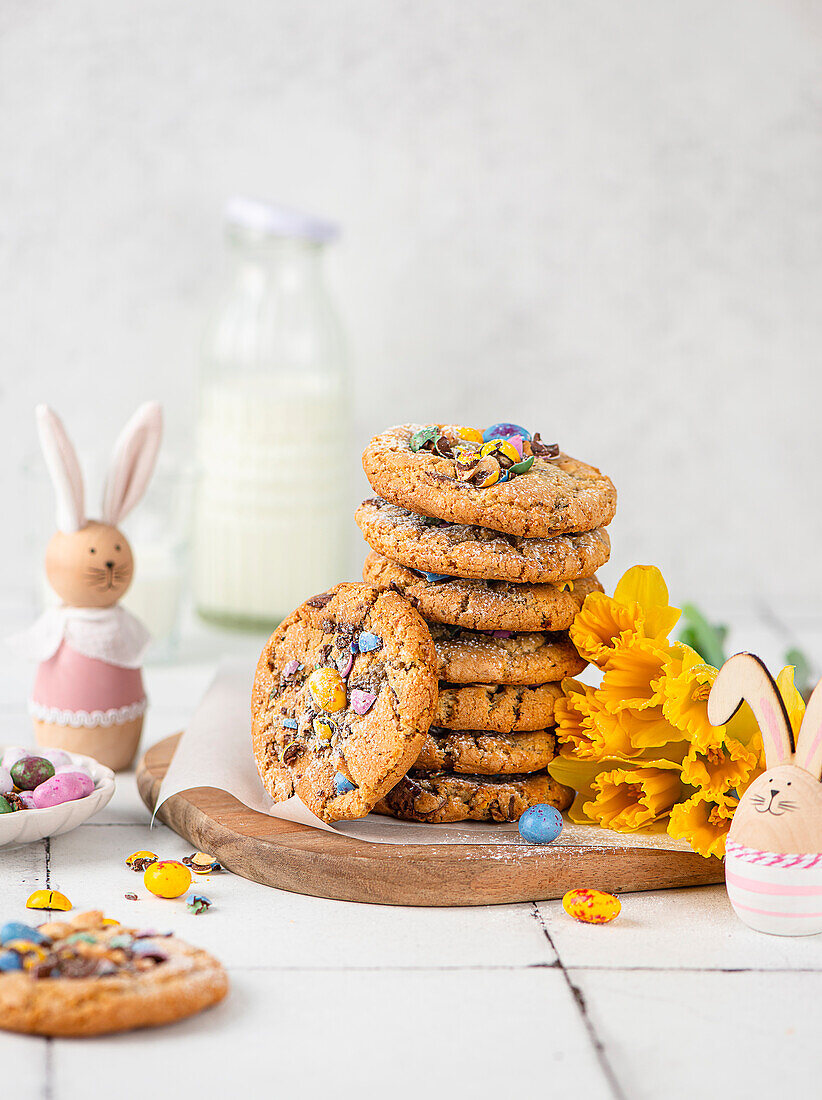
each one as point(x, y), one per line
point(494, 537)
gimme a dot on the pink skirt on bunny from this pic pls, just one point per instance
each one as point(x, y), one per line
point(71, 689)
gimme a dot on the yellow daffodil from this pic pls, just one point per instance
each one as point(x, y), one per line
point(602, 624)
point(685, 687)
point(633, 675)
point(704, 821)
point(633, 797)
point(638, 608)
point(717, 762)
point(645, 585)
point(794, 703)
point(584, 729)
point(650, 729)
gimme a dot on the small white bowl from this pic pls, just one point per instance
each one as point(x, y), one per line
point(25, 826)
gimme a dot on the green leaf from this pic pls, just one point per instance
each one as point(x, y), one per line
point(803, 676)
point(708, 639)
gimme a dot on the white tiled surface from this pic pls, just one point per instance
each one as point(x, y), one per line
point(675, 999)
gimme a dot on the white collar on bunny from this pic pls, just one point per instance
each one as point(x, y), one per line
point(107, 634)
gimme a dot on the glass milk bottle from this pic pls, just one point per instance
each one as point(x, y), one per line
point(273, 433)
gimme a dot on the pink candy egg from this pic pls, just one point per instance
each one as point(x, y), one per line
point(63, 787)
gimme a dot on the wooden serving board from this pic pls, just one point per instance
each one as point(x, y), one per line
point(312, 861)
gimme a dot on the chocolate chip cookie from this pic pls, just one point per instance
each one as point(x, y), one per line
point(437, 546)
point(343, 697)
point(85, 977)
point(503, 657)
point(438, 470)
point(483, 605)
point(477, 752)
point(439, 797)
point(496, 708)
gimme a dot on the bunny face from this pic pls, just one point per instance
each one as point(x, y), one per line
point(781, 811)
point(777, 809)
point(92, 567)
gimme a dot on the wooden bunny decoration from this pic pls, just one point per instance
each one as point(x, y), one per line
point(773, 855)
point(88, 693)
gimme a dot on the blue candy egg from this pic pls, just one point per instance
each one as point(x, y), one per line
point(343, 785)
point(367, 642)
point(17, 930)
point(10, 960)
point(434, 578)
point(504, 431)
point(540, 824)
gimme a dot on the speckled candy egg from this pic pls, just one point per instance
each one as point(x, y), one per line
point(31, 771)
point(540, 824)
point(167, 879)
point(6, 783)
point(65, 787)
point(504, 430)
point(591, 906)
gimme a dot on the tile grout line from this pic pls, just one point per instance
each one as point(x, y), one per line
point(48, 1085)
point(579, 1000)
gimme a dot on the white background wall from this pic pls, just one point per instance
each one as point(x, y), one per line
point(601, 219)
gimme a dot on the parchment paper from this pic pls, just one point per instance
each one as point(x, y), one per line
point(215, 751)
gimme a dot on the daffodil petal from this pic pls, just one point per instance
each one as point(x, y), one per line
point(794, 703)
point(643, 584)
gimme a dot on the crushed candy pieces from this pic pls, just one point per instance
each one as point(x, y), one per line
point(130, 897)
point(362, 701)
point(591, 906)
point(343, 785)
point(197, 903)
point(202, 863)
point(368, 642)
point(48, 899)
point(138, 861)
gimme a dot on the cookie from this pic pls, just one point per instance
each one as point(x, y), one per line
point(345, 690)
point(439, 797)
point(483, 605)
point(502, 657)
point(496, 708)
point(477, 752)
point(556, 495)
point(478, 553)
point(110, 978)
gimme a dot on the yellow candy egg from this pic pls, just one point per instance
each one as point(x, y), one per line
point(167, 879)
point(591, 906)
point(48, 899)
point(500, 447)
point(471, 435)
point(327, 689)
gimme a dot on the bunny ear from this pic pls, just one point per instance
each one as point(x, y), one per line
point(132, 463)
point(744, 678)
point(809, 742)
point(61, 460)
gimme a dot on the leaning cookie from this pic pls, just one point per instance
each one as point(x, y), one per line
point(496, 708)
point(477, 752)
point(343, 697)
point(434, 470)
point(439, 798)
point(483, 605)
point(437, 546)
point(85, 977)
point(503, 657)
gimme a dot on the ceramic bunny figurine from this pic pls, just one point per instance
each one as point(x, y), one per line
point(88, 693)
point(773, 855)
